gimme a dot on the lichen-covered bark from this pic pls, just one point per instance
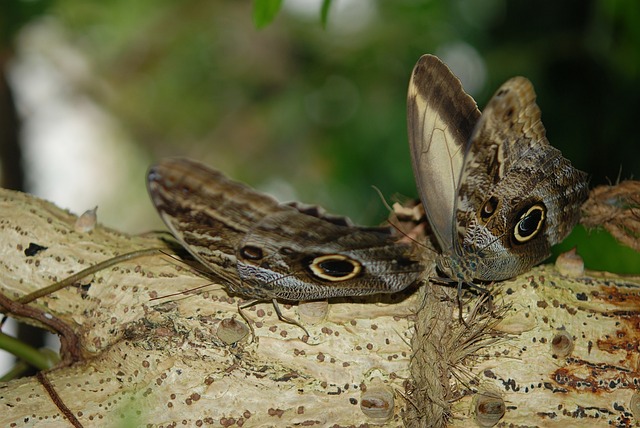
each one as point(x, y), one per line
point(560, 352)
point(161, 362)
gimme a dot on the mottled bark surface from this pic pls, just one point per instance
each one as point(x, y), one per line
point(163, 362)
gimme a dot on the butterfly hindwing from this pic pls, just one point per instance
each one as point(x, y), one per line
point(518, 195)
point(303, 257)
point(267, 250)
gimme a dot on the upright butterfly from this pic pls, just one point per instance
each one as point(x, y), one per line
point(497, 195)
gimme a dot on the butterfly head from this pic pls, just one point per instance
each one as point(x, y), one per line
point(461, 269)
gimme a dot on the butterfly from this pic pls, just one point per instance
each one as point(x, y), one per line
point(497, 195)
point(265, 250)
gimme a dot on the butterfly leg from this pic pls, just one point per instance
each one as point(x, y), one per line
point(246, 318)
point(460, 317)
point(287, 319)
point(278, 312)
point(484, 292)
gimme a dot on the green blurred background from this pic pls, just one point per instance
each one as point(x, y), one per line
point(95, 91)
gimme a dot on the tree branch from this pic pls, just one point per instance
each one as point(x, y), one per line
point(170, 360)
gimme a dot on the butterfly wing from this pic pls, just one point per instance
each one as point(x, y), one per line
point(206, 212)
point(303, 257)
point(265, 250)
point(441, 118)
point(518, 195)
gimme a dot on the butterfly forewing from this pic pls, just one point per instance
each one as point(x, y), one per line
point(441, 117)
point(194, 202)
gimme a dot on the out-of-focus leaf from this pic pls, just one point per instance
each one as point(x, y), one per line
point(264, 11)
point(324, 12)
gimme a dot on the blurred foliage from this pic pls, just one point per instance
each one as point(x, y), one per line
point(14, 15)
point(321, 109)
point(600, 251)
point(264, 11)
point(324, 12)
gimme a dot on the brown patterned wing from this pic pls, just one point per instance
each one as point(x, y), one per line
point(206, 212)
point(301, 257)
point(266, 250)
point(518, 194)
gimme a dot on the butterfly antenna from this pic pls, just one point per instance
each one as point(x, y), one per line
point(383, 199)
point(184, 293)
point(199, 272)
point(410, 238)
point(494, 240)
point(396, 227)
point(194, 268)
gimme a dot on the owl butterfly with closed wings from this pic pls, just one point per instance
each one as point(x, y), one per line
point(264, 250)
point(497, 195)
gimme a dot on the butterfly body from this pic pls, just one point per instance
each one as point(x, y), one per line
point(496, 193)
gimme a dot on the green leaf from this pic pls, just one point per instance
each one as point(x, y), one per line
point(324, 12)
point(264, 11)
